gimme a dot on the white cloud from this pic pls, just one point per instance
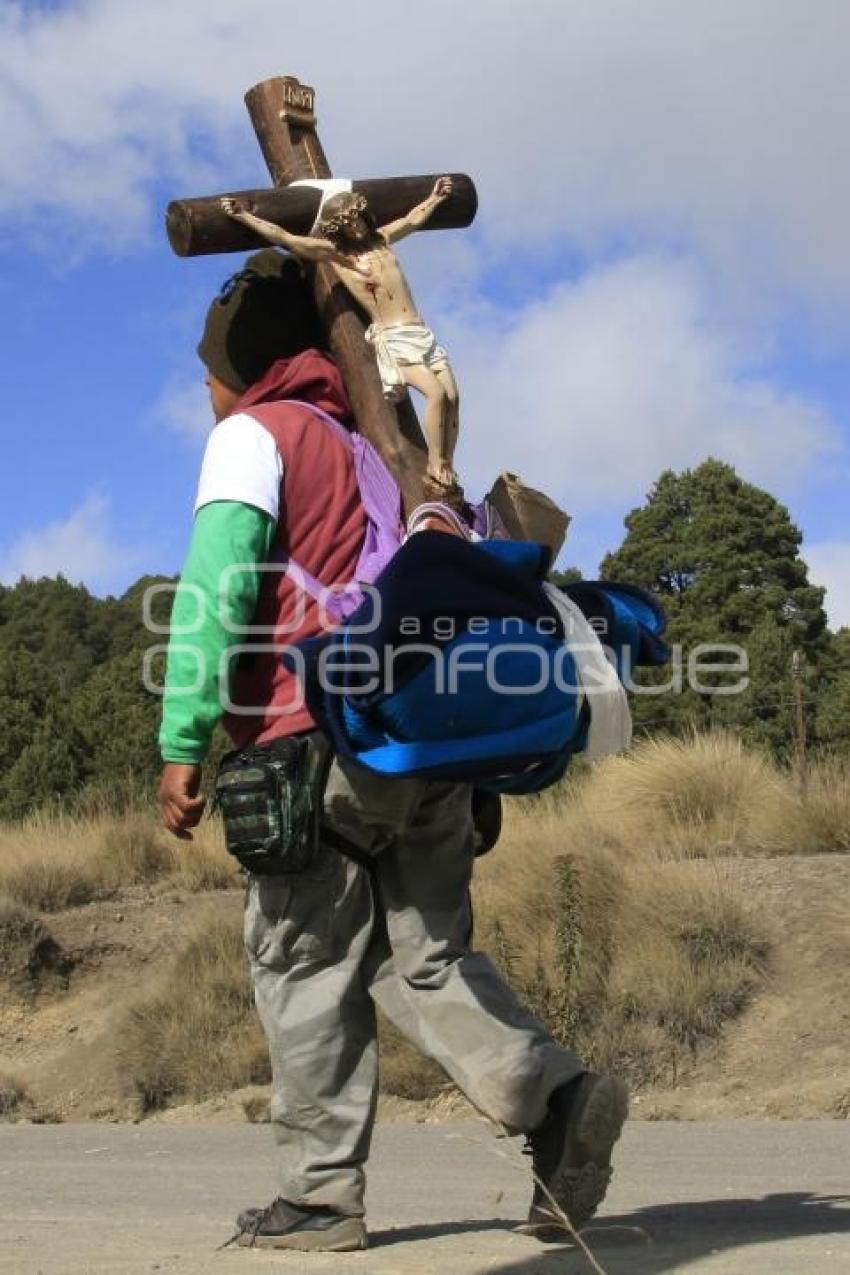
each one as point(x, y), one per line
point(586, 124)
point(592, 391)
point(829, 565)
point(716, 126)
point(81, 547)
point(184, 406)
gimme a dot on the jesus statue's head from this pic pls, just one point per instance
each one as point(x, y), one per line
point(347, 220)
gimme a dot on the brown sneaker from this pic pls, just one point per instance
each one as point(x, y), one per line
point(572, 1149)
point(309, 1230)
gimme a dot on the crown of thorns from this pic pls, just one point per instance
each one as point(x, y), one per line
point(341, 209)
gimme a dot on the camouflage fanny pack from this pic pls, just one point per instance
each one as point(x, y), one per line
point(270, 797)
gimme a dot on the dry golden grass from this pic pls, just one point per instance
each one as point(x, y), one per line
point(19, 929)
point(203, 863)
point(631, 952)
point(51, 861)
point(630, 956)
point(14, 1098)
point(703, 796)
point(128, 850)
point(193, 1032)
point(47, 862)
point(825, 807)
point(632, 959)
point(706, 795)
point(607, 904)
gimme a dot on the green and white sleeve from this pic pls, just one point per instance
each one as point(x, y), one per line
point(211, 601)
point(236, 512)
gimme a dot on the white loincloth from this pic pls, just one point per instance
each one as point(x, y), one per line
point(399, 344)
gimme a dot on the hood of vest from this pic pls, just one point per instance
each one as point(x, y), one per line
point(310, 375)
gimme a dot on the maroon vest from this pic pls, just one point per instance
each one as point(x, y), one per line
point(321, 527)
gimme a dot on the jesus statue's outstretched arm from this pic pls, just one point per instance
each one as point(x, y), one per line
point(416, 218)
point(307, 247)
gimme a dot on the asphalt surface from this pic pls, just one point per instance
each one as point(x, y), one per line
point(719, 1199)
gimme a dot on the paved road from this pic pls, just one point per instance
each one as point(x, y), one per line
point(719, 1199)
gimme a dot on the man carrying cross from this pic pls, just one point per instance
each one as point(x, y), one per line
point(328, 944)
point(390, 924)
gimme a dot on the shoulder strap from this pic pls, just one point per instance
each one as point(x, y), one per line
point(299, 575)
point(381, 499)
point(337, 426)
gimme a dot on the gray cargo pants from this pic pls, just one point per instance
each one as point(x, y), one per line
point(326, 945)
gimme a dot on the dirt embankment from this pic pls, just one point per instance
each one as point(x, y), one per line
point(57, 1035)
point(786, 1055)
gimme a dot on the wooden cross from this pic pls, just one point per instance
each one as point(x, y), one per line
point(283, 114)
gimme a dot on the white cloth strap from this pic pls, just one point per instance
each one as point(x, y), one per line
point(437, 509)
point(328, 187)
point(610, 729)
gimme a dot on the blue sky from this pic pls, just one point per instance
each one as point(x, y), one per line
point(658, 271)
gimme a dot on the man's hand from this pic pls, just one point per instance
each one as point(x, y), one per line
point(180, 807)
point(442, 189)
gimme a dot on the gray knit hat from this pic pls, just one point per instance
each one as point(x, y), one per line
point(263, 312)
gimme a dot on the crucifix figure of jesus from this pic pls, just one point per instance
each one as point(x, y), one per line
point(282, 111)
point(360, 253)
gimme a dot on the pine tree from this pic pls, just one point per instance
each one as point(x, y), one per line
point(48, 770)
point(73, 710)
point(118, 722)
point(832, 696)
point(26, 697)
point(723, 558)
